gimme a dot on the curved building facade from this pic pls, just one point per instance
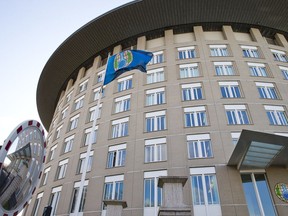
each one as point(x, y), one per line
point(212, 109)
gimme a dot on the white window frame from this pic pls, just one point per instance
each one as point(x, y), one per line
point(64, 113)
point(75, 194)
point(100, 76)
point(186, 52)
point(119, 157)
point(58, 131)
point(114, 180)
point(191, 91)
point(258, 69)
point(45, 176)
point(250, 51)
point(194, 111)
point(122, 104)
point(83, 86)
point(82, 161)
point(279, 115)
point(279, 55)
point(155, 150)
point(230, 89)
point(37, 204)
point(55, 193)
point(235, 137)
point(79, 103)
point(238, 117)
point(68, 144)
point(74, 122)
point(199, 146)
point(227, 68)
point(69, 96)
point(158, 57)
point(87, 134)
point(62, 169)
point(189, 70)
point(52, 152)
point(155, 75)
point(218, 50)
point(119, 127)
point(284, 71)
point(124, 83)
point(155, 96)
point(154, 120)
point(96, 93)
point(267, 90)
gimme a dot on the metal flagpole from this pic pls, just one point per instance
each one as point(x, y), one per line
point(91, 137)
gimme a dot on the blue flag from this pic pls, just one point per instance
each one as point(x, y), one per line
point(126, 61)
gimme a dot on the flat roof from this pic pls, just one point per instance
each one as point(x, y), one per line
point(139, 17)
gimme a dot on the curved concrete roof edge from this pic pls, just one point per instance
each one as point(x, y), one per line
point(134, 18)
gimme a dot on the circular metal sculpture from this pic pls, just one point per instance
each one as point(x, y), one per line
point(21, 162)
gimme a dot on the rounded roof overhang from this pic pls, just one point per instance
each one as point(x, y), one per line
point(139, 17)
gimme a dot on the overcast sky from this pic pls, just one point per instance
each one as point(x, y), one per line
point(30, 31)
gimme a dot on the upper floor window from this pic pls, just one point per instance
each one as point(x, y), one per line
point(68, 144)
point(156, 75)
point(155, 96)
point(120, 127)
point(74, 122)
point(199, 146)
point(186, 52)
point(267, 90)
point(158, 57)
point(96, 93)
point(257, 69)
point(284, 71)
point(122, 103)
point(230, 89)
point(250, 51)
point(79, 103)
point(92, 112)
point(100, 76)
point(124, 83)
point(54, 199)
point(155, 121)
point(192, 91)
point(116, 156)
point(37, 204)
point(61, 170)
point(279, 55)
point(155, 150)
point(58, 131)
point(237, 114)
point(69, 96)
point(64, 113)
point(52, 152)
point(113, 188)
point(83, 86)
point(195, 116)
point(45, 176)
point(218, 50)
point(75, 195)
point(189, 70)
point(235, 137)
point(224, 68)
point(87, 134)
point(81, 162)
point(276, 115)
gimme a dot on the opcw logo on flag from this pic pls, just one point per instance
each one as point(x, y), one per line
point(123, 59)
point(126, 61)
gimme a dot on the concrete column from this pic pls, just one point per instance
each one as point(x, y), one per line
point(69, 85)
point(281, 40)
point(117, 49)
point(141, 43)
point(97, 62)
point(114, 207)
point(173, 201)
point(81, 73)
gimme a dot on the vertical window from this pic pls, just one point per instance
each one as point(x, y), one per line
point(284, 71)
point(45, 176)
point(74, 122)
point(230, 89)
point(81, 162)
point(64, 113)
point(155, 150)
point(69, 96)
point(75, 195)
point(37, 204)
point(250, 51)
point(124, 83)
point(68, 144)
point(92, 111)
point(276, 115)
point(155, 96)
point(120, 127)
point(257, 194)
point(156, 75)
point(237, 114)
point(195, 116)
point(83, 86)
point(257, 69)
point(79, 103)
point(186, 52)
point(199, 146)
point(235, 137)
point(189, 70)
point(87, 134)
point(152, 193)
point(61, 170)
point(192, 91)
point(54, 199)
point(218, 50)
point(52, 152)
point(116, 156)
point(155, 121)
point(122, 103)
point(96, 94)
point(266, 90)
point(279, 55)
point(224, 68)
point(100, 76)
point(158, 57)
point(113, 188)
point(205, 196)
point(58, 132)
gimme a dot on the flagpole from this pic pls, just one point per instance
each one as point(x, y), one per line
point(90, 142)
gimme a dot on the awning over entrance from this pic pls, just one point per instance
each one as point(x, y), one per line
point(257, 150)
